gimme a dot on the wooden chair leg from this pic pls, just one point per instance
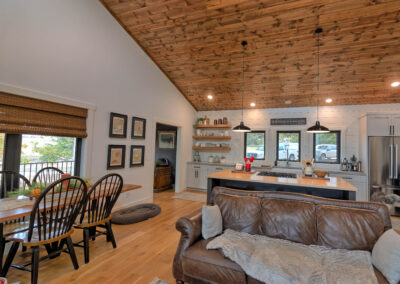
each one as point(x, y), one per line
point(71, 251)
point(86, 244)
point(35, 265)
point(2, 247)
point(92, 233)
point(110, 234)
point(10, 258)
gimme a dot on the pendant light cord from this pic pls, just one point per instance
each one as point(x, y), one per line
point(318, 31)
point(243, 81)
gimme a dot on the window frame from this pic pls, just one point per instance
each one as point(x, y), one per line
point(277, 144)
point(338, 147)
point(245, 143)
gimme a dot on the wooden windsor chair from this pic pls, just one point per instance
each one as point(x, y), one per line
point(97, 211)
point(47, 175)
point(51, 224)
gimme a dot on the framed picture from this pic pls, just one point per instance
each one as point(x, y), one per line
point(137, 156)
point(116, 157)
point(118, 125)
point(166, 139)
point(138, 128)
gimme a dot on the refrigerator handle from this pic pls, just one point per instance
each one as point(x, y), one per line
point(391, 161)
point(396, 174)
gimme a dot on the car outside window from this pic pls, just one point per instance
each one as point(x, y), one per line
point(254, 145)
point(327, 147)
point(288, 146)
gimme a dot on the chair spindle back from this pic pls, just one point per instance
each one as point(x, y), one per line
point(101, 198)
point(47, 175)
point(57, 207)
point(12, 181)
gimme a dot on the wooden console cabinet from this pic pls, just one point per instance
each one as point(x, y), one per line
point(162, 178)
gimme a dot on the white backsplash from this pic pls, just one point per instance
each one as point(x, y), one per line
point(343, 118)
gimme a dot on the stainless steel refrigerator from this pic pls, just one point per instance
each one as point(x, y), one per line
point(384, 171)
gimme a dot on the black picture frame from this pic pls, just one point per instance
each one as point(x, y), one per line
point(277, 144)
point(113, 117)
point(111, 164)
point(131, 163)
point(134, 120)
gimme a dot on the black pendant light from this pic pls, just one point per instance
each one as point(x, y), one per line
point(241, 127)
point(318, 128)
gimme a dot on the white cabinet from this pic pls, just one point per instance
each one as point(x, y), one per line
point(383, 125)
point(197, 176)
point(379, 125)
point(358, 181)
point(396, 125)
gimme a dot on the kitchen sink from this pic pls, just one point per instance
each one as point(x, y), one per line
point(276, 174)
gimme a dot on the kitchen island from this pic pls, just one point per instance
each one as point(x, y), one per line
point(333, 187)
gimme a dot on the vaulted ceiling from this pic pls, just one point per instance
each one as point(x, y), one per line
point(197, 44)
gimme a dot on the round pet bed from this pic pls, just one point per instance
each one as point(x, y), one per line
point(135, 214)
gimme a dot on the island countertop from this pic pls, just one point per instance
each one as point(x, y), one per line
point(334, 183)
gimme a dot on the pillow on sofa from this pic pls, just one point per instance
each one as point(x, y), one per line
point(211, 224)
point(386, 256)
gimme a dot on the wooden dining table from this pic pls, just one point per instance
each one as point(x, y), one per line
point(21, 206)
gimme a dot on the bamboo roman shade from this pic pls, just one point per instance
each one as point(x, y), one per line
point(23, 115)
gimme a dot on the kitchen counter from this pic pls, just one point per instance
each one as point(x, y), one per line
point(334, 187)
point(280, 168)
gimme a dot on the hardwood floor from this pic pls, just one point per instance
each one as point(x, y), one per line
point(144, 250)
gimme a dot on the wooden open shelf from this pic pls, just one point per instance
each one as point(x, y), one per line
point(212, 137)
point(198, 148)
point(212, 126)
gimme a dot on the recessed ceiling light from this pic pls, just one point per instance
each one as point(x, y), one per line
point(209, 97)
point(328, 100)
point(395, 84)
point(252, 104)
point(288, 102)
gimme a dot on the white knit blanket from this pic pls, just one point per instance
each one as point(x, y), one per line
point(281, 261)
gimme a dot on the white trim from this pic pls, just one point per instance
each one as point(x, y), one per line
point(132, 203)
point(44, 96)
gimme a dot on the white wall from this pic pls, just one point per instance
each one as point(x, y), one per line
point(343, 118)
point(76, 50)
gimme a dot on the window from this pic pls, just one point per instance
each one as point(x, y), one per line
point(254, 145)
point(327, 147)
point(288, 146)
point(39, 151)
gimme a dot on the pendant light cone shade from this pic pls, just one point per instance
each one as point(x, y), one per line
point(241, 127)
point(318, 128)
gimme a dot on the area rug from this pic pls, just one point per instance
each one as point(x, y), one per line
point(156, 280)
point(191, 196)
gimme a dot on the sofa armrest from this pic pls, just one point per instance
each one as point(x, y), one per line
point(190, 228)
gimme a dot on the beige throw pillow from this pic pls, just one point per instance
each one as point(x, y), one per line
point(211, 221)
point(386, 256)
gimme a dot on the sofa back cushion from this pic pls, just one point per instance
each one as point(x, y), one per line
point(239, 213)
point(289, 219)
point(348, 228)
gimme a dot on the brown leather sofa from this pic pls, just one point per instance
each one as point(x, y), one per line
point(296, 217)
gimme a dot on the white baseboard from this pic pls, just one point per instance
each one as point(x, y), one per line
point(132, 203)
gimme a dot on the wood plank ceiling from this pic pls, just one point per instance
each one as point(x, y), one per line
point(196, 43)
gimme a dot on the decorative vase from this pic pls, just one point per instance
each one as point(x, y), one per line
point(248, 167)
